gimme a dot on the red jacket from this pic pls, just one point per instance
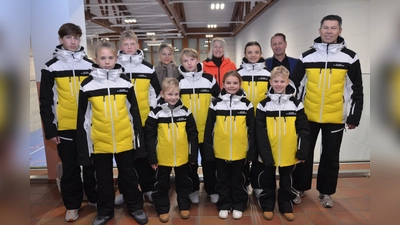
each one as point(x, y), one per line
point(218, 72)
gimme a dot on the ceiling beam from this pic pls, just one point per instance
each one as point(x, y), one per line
point(173, 15)
point(104, 23)
point(121, 4)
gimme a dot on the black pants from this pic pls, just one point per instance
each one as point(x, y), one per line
point(328, 170)
point(231, 185)
point(256, 169)
point(71, 181)
point(209, 176)
point(183, 187)
point(145, 173)
point(127, 177)
point(268, 184)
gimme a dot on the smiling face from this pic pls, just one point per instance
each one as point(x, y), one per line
point(279, 83)
point(253, 53)
point(218, 49)
point(171, 95)
point(189, 63)
point(166, 56)
point(278, 46)
point(231, 85)
point(106, 58)
point(129, 46)
point(329, 31)
point(70, 42)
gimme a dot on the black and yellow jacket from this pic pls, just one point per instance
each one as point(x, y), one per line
point(144, 80)
point(197, 91)
point(255, 78)
point(281, 128)
point(171, 135)
point(108, 114)
point(59, 89)
point(330, 83)
point(229, 132)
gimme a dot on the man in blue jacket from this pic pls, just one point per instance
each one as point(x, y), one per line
point(278, 46)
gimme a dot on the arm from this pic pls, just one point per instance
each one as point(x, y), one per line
point(208, 135)
point(297, 76)
point(250, 122)
point(46, 100)
point(154, 90)
point(303, 131)
point(137, 125)
point(357, 97)
point(262, 140)
point(215, 90)
point(151, 138)
point(193, 134)
point(81, 132)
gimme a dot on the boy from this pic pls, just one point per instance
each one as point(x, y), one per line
point(59, 90)
point(171, 141)
point(109, 126)
point(147, 88)
point(282, 141)
point(197, 90)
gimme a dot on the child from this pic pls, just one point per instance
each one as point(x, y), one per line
point(109, 125)
point(197, 90)
point(282, 128)
point(255, 83)
point(147, 88)
point(229, 139)
point(59, 90)
point(171, 140)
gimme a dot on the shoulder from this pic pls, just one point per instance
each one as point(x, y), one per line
point(86, 59)
point(51, 62)
point(208, 76)
point(215, 101)
point(86, 81)
point(124, 77)
point(147, 64)
point(308, 52)
point(295, 101)
point(349, 52)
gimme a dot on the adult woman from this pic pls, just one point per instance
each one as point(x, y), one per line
point(166, 66)
point(218, 63)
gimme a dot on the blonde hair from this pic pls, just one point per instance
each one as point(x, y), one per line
point(280, 71)
point(223, 43)
point(232, 73)
point(169, 83)
point(189, 52)
point(167, 46)
point(128, 34)
point(105, 45)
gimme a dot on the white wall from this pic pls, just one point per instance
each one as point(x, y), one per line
point(299, 20)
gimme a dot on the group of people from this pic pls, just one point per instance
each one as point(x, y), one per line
point(245, 122)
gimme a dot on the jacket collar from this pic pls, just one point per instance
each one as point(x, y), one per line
point(253, 66)
point(192, 76)
point(234, 98)
point(329, 49)
point(290, 92)
point(103, 74)
point(134, 59)
point(164, 105)
point(68, 56)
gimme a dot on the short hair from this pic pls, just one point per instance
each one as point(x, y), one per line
point(252, 43)
point(189, 52)
point(279, 35)
point(280, 71)
point(232, 73)
point(167, 46)
point(69, 29)
point(128, 34)
point(105, 45)
point(223, 43)
point(169, 83)
point(332, 17)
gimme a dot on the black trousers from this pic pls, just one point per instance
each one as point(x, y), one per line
point(71, 181)
point(256, 169)
point(231, 185)
point(267, 182)
point(145, 173)
point(127, 177)
point(328, 171)
point(209, 175)
point(183, 187)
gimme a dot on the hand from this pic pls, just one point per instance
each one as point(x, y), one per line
point(55, 140)
point(351, 126)
point(154, 166)
point(300, 161)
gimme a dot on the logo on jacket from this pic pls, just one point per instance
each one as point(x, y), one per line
point(122, 91)
point(85, 72)
point(241, 112)
point(338, 65)
point(180, 119)
point(290, 113)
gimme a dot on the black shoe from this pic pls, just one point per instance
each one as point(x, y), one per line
point(101, 220)
point(140, 216)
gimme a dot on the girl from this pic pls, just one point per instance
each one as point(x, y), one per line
point(229, 139)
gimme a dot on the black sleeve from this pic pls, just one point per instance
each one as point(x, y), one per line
point(140, 151)
point(46, 101)
point(262, 140)
point(298, 74)
point(215, 90)
point(209, 136)
point(155, 83)
point(250, 122)
point(81, 135)
point(357, 96)
point(193, 139)
point(303, 131)
point(151, 139)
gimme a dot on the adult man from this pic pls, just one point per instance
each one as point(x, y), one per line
point(328, 78)
point(278, 46)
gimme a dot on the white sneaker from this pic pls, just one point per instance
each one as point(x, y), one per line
point(119, 199)
point(223, 214)
point(257, 192)
point(148, 194)
point(214, 198)
point(71, 215)
point(236, 214)
point(297, 200)
point(195, 197)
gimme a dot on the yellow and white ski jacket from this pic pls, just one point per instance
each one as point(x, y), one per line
point(108, 114)
point(171, 135)
point(59, 89)
point(229, 133)
point(255, 78)
point(144, 80)
point(329, 80)
point(197, 91)
point(281, 128)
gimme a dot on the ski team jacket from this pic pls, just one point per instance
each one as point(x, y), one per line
point(292, 63)
point(255, 78)
point(329, 78)
point(229, 133)
point(218, 72)
point(144, 80)
point(171, 135)
point(197, 91)
point(282, 128)
point(108, 114)
point(59, 89)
